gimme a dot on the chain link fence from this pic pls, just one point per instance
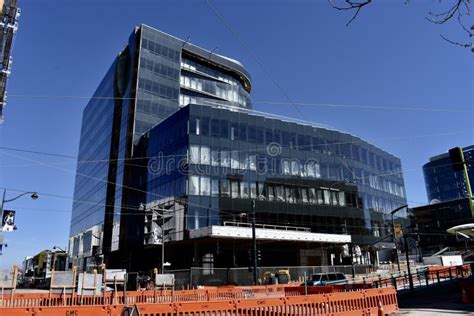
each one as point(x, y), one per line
point(189, 278)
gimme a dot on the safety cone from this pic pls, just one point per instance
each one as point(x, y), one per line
point(380, 311)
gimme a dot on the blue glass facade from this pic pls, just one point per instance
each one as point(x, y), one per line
point(151, 143)
point(92, 174)
point(217, 160)
point(442, 182)
point(152, 78)
point(9, 14)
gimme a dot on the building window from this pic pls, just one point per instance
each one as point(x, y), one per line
point(261, 191)
point(319, 197)
point(334, 197)
point(253, 162)
point(198, 127)
point(295, 168)
point(205, 155)
point(280, 194)
point(342, 199)
point(205, 186)
point(327, 197)
point(304, 195)
point(225, 159)
point(285, 167)
point(244, 160)
point(193, 185)
point(215, 158)
point(225, 189)
point(253, 190)
point(289, 195)
point(234, 159)
point(194, 154)
point(234, 186)
point(244, 190)
point(271, 193)
point(214, 187)
point(312, 195)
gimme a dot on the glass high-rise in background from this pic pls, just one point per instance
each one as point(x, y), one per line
point(449, 202)
point(443, 182)
point(9, 14)
point(170, 132)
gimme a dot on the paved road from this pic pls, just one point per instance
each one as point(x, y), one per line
point(444, 299)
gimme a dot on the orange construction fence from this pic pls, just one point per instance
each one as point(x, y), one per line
point(364, 302)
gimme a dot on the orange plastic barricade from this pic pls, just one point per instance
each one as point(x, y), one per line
point(361, 302)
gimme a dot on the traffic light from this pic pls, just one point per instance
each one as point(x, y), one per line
point(259, 257)
point(457, 158)
point(398, 232)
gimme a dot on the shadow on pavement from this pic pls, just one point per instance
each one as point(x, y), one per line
point(444, 298)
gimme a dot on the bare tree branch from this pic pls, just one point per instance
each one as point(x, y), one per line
point(464, 27)
point(459, 9)
point(466, 45)
point(351, 5)
point(440, 18)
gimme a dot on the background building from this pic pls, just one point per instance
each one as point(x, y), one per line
point(449, 203)
point(443, 183)
point(9, 14)
point(179, 101)
point(432, 221)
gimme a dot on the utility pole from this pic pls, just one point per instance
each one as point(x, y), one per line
point(410, 280)
point(254, 246)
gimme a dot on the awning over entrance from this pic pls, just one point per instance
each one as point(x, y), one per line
point(267, 234)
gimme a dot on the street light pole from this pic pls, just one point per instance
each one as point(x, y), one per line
point(162, 243)
point(393, 233)
point(34, 196)
point(410, 280)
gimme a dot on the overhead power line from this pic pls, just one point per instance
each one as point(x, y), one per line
point(264, 148)
point(458, 109)
point(267, 73)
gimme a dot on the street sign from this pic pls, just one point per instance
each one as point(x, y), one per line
point(164, 279)
point(8, 221)
point(398, 231)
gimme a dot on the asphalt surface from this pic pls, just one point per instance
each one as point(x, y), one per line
point(444, 299)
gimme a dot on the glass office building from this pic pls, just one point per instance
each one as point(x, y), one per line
point(429, 220)
point(443, 183)
point(312, 186)
point(150, 79)
point(170, 129)
point(9, 14)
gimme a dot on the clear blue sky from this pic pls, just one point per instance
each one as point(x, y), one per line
point(389, 57)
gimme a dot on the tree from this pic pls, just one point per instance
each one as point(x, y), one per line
point(456, 9)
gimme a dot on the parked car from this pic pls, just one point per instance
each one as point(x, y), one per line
point(327, 279)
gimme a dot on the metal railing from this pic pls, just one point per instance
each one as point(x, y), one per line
point(193, 277)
